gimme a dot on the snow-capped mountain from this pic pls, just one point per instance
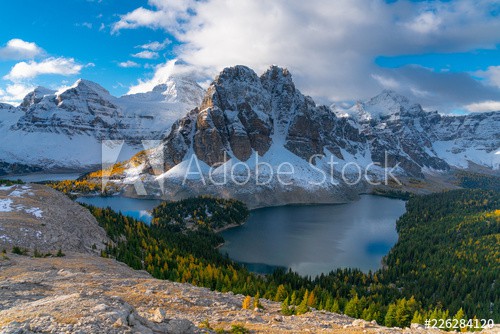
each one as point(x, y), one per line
point(386, 105)
point(65, 128)
point(262, 121)
point(422, 139)
point(265, 121)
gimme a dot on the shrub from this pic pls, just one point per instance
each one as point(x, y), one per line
point(239, 329)
point(36, 253)
point(17, 250)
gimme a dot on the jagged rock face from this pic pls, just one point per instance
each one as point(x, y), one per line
point(35, 97)
point(314, 129)
point(470, 131)
point(302, 127)
point(419, 139)
point(85, 108)
point(234, 118)
point(395, 130)
point(179, 140)
point(242, 113)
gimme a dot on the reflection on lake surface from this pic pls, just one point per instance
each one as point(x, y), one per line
point(318, 238)
point(137, 208)
point(309, 239)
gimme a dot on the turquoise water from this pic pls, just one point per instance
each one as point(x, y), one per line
point(137, 208)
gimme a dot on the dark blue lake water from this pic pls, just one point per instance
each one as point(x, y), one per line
point(309, 239)
point(316, 239)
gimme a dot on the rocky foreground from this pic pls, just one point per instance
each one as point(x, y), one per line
point(81, 293)
point(33, 216)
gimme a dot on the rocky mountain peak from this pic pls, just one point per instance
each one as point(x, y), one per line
point(84, 87)
point(389, 94)
point(278, 80)
point(276, 73)
point(86, 95)
point(243, 113)
point(239, 73)
point(35, 97)
point(386, 105)
point(235, 88)
point(6, 106)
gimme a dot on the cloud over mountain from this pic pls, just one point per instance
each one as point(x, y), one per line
point(330, 46)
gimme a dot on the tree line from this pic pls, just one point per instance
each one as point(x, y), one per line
point(444, 265)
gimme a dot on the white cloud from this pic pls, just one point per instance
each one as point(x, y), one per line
point(492, 75)
point(386, 82)
point(87, 25)
point(31, 69)
point(14, 93)
point(17, 49)
point(128, 64)
point(420, 93)
point(329, 47)
point(167, 15)
point(165, 71)
point(484, 106)
point(155, 46)
point(427, 22)
point(162, 73)
point(146, 54)
point(139, 18)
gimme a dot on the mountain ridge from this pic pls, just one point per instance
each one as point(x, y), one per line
point(251, 119)
point(64, 129)
point(245, 121)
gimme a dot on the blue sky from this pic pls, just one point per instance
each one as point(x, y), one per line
point(444, 54)
point(80, 29)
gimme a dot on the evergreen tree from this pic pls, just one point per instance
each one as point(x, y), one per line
point(311, 299)
point(390, 316)
point(247, 301)
point(293, 299)
point(302, 308)
point(256, 301)
point(403, 313)
point(280, 293)
point(328, 304)
point(335, 307)
point(351, 308)
point(285, 307)
point(418, 318)
point(460, 315)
